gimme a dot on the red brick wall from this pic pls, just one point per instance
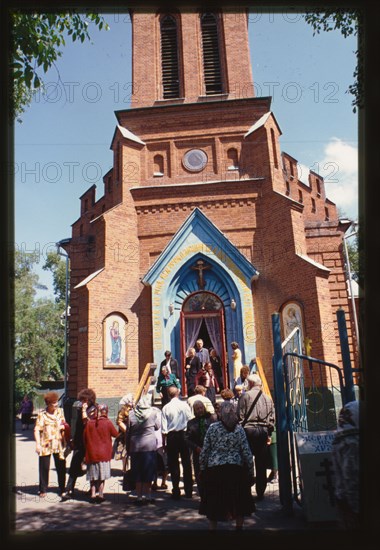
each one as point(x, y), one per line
point(146, 55)
point(257, 207)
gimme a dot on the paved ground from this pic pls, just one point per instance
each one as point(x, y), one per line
point(119, 514)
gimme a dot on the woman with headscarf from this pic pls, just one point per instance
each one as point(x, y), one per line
point(226, 470)
point(126, 403)
point(97, 435)
point(345, 457)
point(143, 422)
point(195, 434)
point(77, 466)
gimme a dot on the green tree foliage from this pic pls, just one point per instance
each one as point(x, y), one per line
point(38, 331)
point(348, 22)
point(37, 39)
point(353, 254)
point(57, 266)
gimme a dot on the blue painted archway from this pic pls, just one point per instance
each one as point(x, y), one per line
point(229, 277)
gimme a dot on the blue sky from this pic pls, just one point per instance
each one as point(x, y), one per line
point(63, 145)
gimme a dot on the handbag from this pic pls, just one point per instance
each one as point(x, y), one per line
point(128, 438)
point(118, 449)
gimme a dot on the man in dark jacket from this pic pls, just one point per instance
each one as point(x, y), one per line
point(170, 363)
point(258, 422)
point(192, 367)
point(85, 396)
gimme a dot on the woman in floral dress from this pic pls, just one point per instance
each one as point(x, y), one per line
point(226, 466)
point(49, 434)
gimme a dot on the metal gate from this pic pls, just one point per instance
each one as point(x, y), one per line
point(309, 394)
point(314, 396)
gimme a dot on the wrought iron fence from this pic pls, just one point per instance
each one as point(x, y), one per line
point(314, 396)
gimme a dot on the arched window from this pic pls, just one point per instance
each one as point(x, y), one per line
point(211, 54)
point(300, 196)
point(232, 156)
point(313, 207)
point(200, 301)
point(318, 188)
point(169, 58)
point(158, 162)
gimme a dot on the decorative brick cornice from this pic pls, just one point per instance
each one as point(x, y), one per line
point(189, 206)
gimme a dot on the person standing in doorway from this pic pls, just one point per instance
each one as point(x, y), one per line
point(192, 368)
point(236, 358)
point(217, 368)
point(255, 411)
point(201, 352)
point(175, 416)
point(170, 363)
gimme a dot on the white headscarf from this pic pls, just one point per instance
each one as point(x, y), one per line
point(144, 408)
point(127, 399)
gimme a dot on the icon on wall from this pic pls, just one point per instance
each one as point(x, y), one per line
point(114, 341)
point(292, 317)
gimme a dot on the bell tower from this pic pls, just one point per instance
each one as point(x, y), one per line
point(189, 56)
point(198, 179)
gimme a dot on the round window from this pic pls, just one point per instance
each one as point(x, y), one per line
point(195, 160)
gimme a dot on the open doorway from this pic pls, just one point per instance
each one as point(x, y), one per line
point(202, 317)
point(204, 335)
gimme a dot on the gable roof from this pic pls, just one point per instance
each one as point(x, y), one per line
point(127, 134)
point(261, 122)
point(198, 226)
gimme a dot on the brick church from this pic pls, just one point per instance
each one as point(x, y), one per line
point(204, 228)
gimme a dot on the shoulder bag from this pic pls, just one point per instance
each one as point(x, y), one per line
point(251, 408)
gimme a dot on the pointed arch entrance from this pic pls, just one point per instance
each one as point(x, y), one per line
point(203, 316)
point(200, 261)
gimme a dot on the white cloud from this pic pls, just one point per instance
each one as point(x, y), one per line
point(303, 173)
point(339, 168)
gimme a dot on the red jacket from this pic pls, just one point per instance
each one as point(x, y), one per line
point(97, 438)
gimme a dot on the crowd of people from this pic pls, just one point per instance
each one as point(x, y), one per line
point(221, 445)
point(197, 440)
point(224, 446)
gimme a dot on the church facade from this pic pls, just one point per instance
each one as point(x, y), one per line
point(204, 228)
